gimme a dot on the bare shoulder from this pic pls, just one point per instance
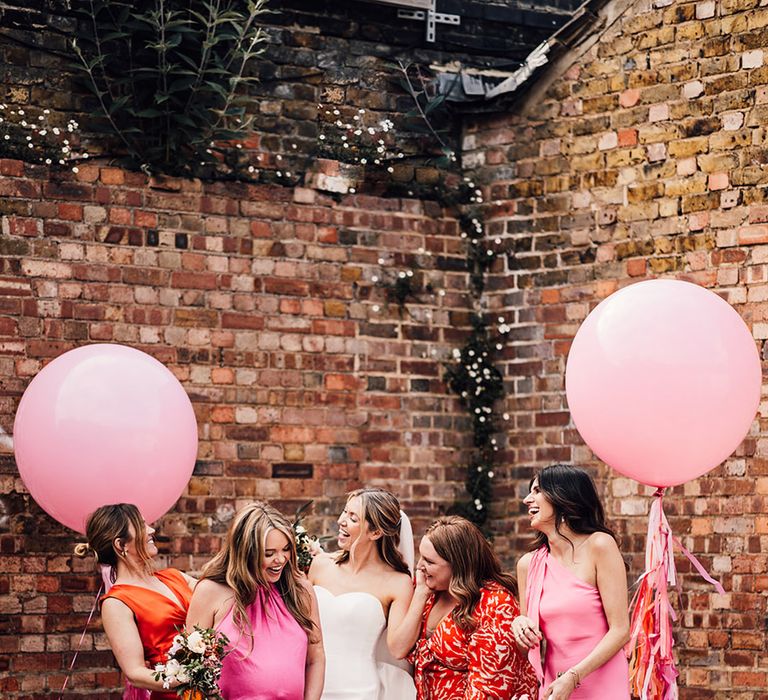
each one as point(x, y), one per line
point(399, 583)
point(306, 584)
point(210, 592)
point(601, 543)
point(604, 550)
point(524, 562)
point(320, 563)
point(115, 608)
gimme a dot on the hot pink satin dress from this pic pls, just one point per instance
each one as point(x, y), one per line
point(571, 618)
point(267, 661)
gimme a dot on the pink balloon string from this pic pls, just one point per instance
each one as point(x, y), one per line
point(82, 637)
point(653, 675)
point(130, 692)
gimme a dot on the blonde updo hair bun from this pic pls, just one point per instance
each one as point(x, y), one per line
point(83, 550)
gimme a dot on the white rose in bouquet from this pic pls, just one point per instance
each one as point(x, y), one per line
point(172, 667)
point(196, 643)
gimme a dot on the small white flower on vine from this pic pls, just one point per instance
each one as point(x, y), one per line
point(490, 475)
point(376, 307)
point(505, 416)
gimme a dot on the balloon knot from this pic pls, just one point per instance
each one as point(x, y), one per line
point(659, 493)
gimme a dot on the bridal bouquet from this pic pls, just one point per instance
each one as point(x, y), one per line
point(307, 546)
point(194, 662)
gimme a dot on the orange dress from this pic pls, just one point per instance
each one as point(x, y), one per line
point(455, 665)
point(157, 616)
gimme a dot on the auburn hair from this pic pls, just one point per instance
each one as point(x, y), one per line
point(473, 564)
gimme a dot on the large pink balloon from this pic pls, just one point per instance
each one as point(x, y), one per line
point(663, 381)
point(104, 424)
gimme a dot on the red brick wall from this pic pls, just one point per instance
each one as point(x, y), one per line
point(261, 301)
point(645, 158)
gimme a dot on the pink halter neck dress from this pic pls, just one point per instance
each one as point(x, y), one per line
point(267, 660)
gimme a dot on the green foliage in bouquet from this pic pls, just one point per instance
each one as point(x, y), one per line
point(169, 77)
point(194, 663)
point(306, 545)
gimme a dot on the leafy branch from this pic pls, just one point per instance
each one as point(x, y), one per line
point(425, 102)
point(170, 78)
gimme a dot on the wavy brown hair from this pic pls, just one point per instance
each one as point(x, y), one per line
point(239, 565)
point(109, 523)
point(473, 564)
point(381, 511)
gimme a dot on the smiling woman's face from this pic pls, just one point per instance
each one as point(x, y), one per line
point(540, 509)
point(437, 571)
point(277, 553)
point(351, 523)
point(129, 546)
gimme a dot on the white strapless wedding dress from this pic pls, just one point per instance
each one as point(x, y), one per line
point(358, 665)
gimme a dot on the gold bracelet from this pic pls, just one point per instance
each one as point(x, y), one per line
point(576, 674)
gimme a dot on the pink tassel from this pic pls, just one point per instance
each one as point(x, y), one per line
point(653, 675)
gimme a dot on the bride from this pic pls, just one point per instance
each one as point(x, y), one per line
point(363, 592)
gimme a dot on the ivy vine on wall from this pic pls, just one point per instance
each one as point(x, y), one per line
point(473, 376)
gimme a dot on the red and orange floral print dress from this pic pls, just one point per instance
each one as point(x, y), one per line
point(455, 665)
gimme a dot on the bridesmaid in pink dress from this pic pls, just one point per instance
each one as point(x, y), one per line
point(252, 592)
point(573, 592)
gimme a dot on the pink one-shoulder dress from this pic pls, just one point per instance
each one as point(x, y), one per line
point(571, 618)
point(267, 660)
